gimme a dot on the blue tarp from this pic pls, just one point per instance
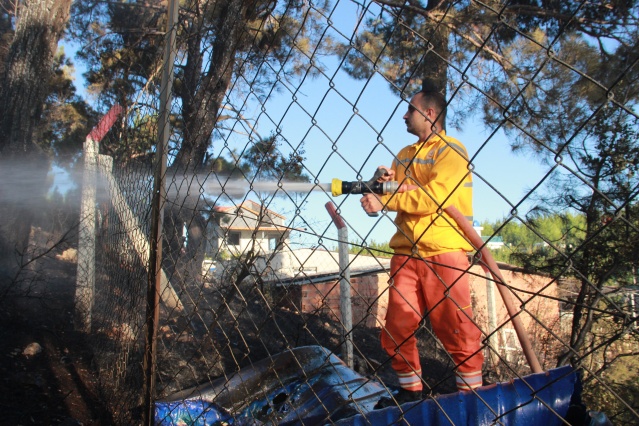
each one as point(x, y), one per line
point(307, 385)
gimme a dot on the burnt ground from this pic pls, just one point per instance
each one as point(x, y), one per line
point(58, 385)
point(53, 385)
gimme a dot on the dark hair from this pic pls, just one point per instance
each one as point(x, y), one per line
point(437, 101)
point(433, 98)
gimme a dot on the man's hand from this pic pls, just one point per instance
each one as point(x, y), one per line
point(371, 203)
point(384, 174)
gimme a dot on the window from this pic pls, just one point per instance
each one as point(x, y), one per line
point(233, 239)
point(273, 243)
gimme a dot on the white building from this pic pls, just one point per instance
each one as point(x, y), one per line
point(237, 229)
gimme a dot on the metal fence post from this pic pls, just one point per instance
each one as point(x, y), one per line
point(345, 306)
point(154, 284)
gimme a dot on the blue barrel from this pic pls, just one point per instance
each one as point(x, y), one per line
point(538, 399)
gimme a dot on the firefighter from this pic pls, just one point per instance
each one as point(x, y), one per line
point(430, 263)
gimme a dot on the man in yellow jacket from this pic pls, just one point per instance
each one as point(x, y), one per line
point(429, 265)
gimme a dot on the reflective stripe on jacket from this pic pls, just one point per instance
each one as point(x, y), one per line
point(439, 167)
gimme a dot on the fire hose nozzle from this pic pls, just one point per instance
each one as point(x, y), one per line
point(339, 187)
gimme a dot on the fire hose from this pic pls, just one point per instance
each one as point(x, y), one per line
point(487, 261)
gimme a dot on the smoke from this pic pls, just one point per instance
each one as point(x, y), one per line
point(28, 202)
point(22, 184)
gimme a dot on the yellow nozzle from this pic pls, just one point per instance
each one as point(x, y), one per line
point(336, 187)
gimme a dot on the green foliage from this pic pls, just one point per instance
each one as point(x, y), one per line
point(224, 255)
point(391, 49)
point(371, 249)
point(137, 143)
point(503, 51)
point(620, 375)
point(128, 45)
point(216, 41)
point(265, 159)
point(268, 161)
point(503, 254)
point(66, 118)
point(541, 235)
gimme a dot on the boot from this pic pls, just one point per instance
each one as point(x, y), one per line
point(398, 399)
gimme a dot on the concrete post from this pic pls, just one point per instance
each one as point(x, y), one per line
point(491, 307)
point(85, 275)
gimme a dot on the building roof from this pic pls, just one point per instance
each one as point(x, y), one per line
point(248, 205)
point(249, 211)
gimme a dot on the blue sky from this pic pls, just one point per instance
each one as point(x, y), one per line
point(339, 143)
point(340, 140)
point(349, 126)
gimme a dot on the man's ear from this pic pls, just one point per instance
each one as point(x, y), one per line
point(431, 114)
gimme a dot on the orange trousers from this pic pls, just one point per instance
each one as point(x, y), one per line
point(438, 287)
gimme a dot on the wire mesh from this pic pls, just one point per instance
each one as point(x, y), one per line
point(250, 258)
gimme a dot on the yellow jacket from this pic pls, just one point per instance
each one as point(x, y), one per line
point(439, 167)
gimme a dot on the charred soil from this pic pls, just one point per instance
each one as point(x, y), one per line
point(45, 366)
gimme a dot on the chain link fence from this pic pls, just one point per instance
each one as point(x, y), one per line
point(250, 264)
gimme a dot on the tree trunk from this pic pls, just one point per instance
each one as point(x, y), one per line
point(24, 86)
point(203, 98)
point(434, 66)
point(583, 309)
point(28, 69)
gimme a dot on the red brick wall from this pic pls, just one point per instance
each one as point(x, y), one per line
point(369, 302)
point(535, 296)
point(365, 291)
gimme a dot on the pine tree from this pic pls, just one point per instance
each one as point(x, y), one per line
point(27, 71)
